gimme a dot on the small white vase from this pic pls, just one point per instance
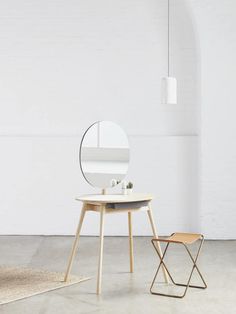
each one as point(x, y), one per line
point(124, 191)
point(129, 191)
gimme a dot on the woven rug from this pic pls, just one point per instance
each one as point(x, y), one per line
point(18, 283)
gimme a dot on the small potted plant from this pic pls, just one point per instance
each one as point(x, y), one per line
point(114, 182)
point(129, 188)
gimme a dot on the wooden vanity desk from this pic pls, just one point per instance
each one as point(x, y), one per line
point(111, 204)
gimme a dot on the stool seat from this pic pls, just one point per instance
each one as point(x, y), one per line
point(187, 238)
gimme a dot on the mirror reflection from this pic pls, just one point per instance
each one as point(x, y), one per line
point(104, 154)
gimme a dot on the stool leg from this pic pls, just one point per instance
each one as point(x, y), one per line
point(99, 276)
point(131, 250)
point(160, 264)
point(156, 237)
point(76, 242)
point(195, 267)
point(195, 261)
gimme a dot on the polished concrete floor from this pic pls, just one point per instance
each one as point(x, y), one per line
point(122, 292)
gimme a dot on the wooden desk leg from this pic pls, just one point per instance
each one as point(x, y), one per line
point(76, 242)
point(131, 250)
point(99, 276)
point(154, 230)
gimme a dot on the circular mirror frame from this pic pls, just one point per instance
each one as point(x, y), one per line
point(80, 154)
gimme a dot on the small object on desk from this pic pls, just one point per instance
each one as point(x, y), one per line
point(123, 187)
point(129, 188)
point(114, 182)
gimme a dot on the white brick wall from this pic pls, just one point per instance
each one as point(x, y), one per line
point(215, 26)
point(65, 65)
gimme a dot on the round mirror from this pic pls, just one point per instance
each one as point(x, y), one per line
point(104, 154)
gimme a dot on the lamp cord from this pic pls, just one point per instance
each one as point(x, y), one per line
point(168, 30)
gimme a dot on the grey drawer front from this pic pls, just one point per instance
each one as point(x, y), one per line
point(128, 205)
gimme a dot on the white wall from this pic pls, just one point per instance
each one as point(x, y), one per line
point(216, 28)
point(67, 64)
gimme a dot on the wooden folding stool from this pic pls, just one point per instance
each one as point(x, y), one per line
point(184, 239)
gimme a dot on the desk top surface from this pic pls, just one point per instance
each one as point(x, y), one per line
point(114, 198)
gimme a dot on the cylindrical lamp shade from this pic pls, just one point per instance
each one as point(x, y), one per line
point(169, 90)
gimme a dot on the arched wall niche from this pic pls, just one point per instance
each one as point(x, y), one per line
point(66, 65)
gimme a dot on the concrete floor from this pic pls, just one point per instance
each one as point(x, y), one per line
point(122, 292)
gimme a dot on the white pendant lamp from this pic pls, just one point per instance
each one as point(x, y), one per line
point(168, 83)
